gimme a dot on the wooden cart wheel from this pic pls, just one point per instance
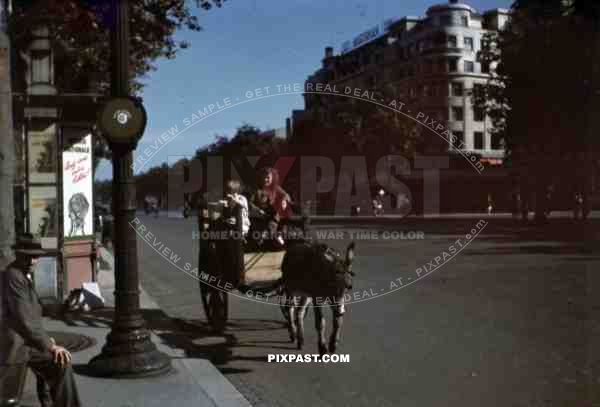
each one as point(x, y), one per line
point(216, 306)
point(214, 300)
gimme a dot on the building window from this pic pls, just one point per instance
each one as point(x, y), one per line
point(446, 20)
point(452, 41)
point(460, 139)
point(468, 43)
point(469, 66)
point(452, 65)
point(442, 66)
point(457, 89)
point(496, 142)
point(457, 113)
point(443, 89)
point(428, 67)
point(464, 20)
point(40, 67)
point(478, 114)
point(478, 135)
point(432, 91)
point(485, 67)
point(478, 89)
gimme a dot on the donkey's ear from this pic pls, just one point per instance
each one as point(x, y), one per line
point(350, 252)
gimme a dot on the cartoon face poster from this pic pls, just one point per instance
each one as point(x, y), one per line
point(77, 185)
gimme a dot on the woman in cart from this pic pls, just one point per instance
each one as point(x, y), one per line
point(275, 206)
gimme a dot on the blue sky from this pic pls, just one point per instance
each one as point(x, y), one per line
point(249, 44)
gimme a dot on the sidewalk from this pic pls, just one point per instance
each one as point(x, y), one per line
point(193, 382)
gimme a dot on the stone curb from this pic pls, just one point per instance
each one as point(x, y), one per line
point(209, 380)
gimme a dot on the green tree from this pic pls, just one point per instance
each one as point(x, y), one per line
point(80, 32)
point(541, 94)
point(248, 141)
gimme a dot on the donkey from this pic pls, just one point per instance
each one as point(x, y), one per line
point(315, 272)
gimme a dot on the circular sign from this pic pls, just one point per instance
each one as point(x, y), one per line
point(123, 120)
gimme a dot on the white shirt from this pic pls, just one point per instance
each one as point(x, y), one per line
point(243, 202)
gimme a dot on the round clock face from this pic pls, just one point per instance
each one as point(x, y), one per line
point(123, 120)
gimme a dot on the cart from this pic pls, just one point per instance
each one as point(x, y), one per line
point(262, 268)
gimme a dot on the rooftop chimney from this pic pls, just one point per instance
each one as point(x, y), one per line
point(328, 52)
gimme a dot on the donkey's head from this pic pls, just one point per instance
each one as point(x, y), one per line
point(342, 264)
point(347, 265)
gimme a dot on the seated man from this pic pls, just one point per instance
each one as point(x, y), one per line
point(23, 340)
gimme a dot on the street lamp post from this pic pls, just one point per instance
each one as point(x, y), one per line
point(129, 351)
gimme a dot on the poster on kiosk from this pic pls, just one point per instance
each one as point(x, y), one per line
point(77, 185)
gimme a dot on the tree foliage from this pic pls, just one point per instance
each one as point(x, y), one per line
point(540, 97)
point(80, 31)
point(248, 141)
point(80, 36)
point(347, 126)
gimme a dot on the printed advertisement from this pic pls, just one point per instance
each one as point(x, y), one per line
point(77, 184)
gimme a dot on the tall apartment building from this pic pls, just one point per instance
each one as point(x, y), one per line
point(428, 63)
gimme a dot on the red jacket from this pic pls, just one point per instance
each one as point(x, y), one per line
point(279, 200)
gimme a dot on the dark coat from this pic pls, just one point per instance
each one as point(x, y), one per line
point(21, 326)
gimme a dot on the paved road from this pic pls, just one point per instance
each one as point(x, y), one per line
point(511, 320)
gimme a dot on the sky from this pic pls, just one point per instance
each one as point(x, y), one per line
point(244, 46)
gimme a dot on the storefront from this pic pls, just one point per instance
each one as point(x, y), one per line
point(54, 181)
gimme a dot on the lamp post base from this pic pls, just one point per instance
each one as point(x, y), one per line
point(129, 354)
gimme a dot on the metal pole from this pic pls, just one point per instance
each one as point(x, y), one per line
point(128, 351)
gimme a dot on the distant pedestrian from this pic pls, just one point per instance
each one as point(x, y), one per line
point(579, 206)
point(23, 339)
point(490, 207)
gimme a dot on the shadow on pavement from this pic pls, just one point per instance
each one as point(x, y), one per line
point(193, 337)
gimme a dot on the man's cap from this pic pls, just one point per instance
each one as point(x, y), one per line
point(28, 245)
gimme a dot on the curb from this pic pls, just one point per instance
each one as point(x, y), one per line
point(214, 384)
point(210, 380)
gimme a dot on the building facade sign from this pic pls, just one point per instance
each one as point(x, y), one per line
point(368, 35)
point(77, 185)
